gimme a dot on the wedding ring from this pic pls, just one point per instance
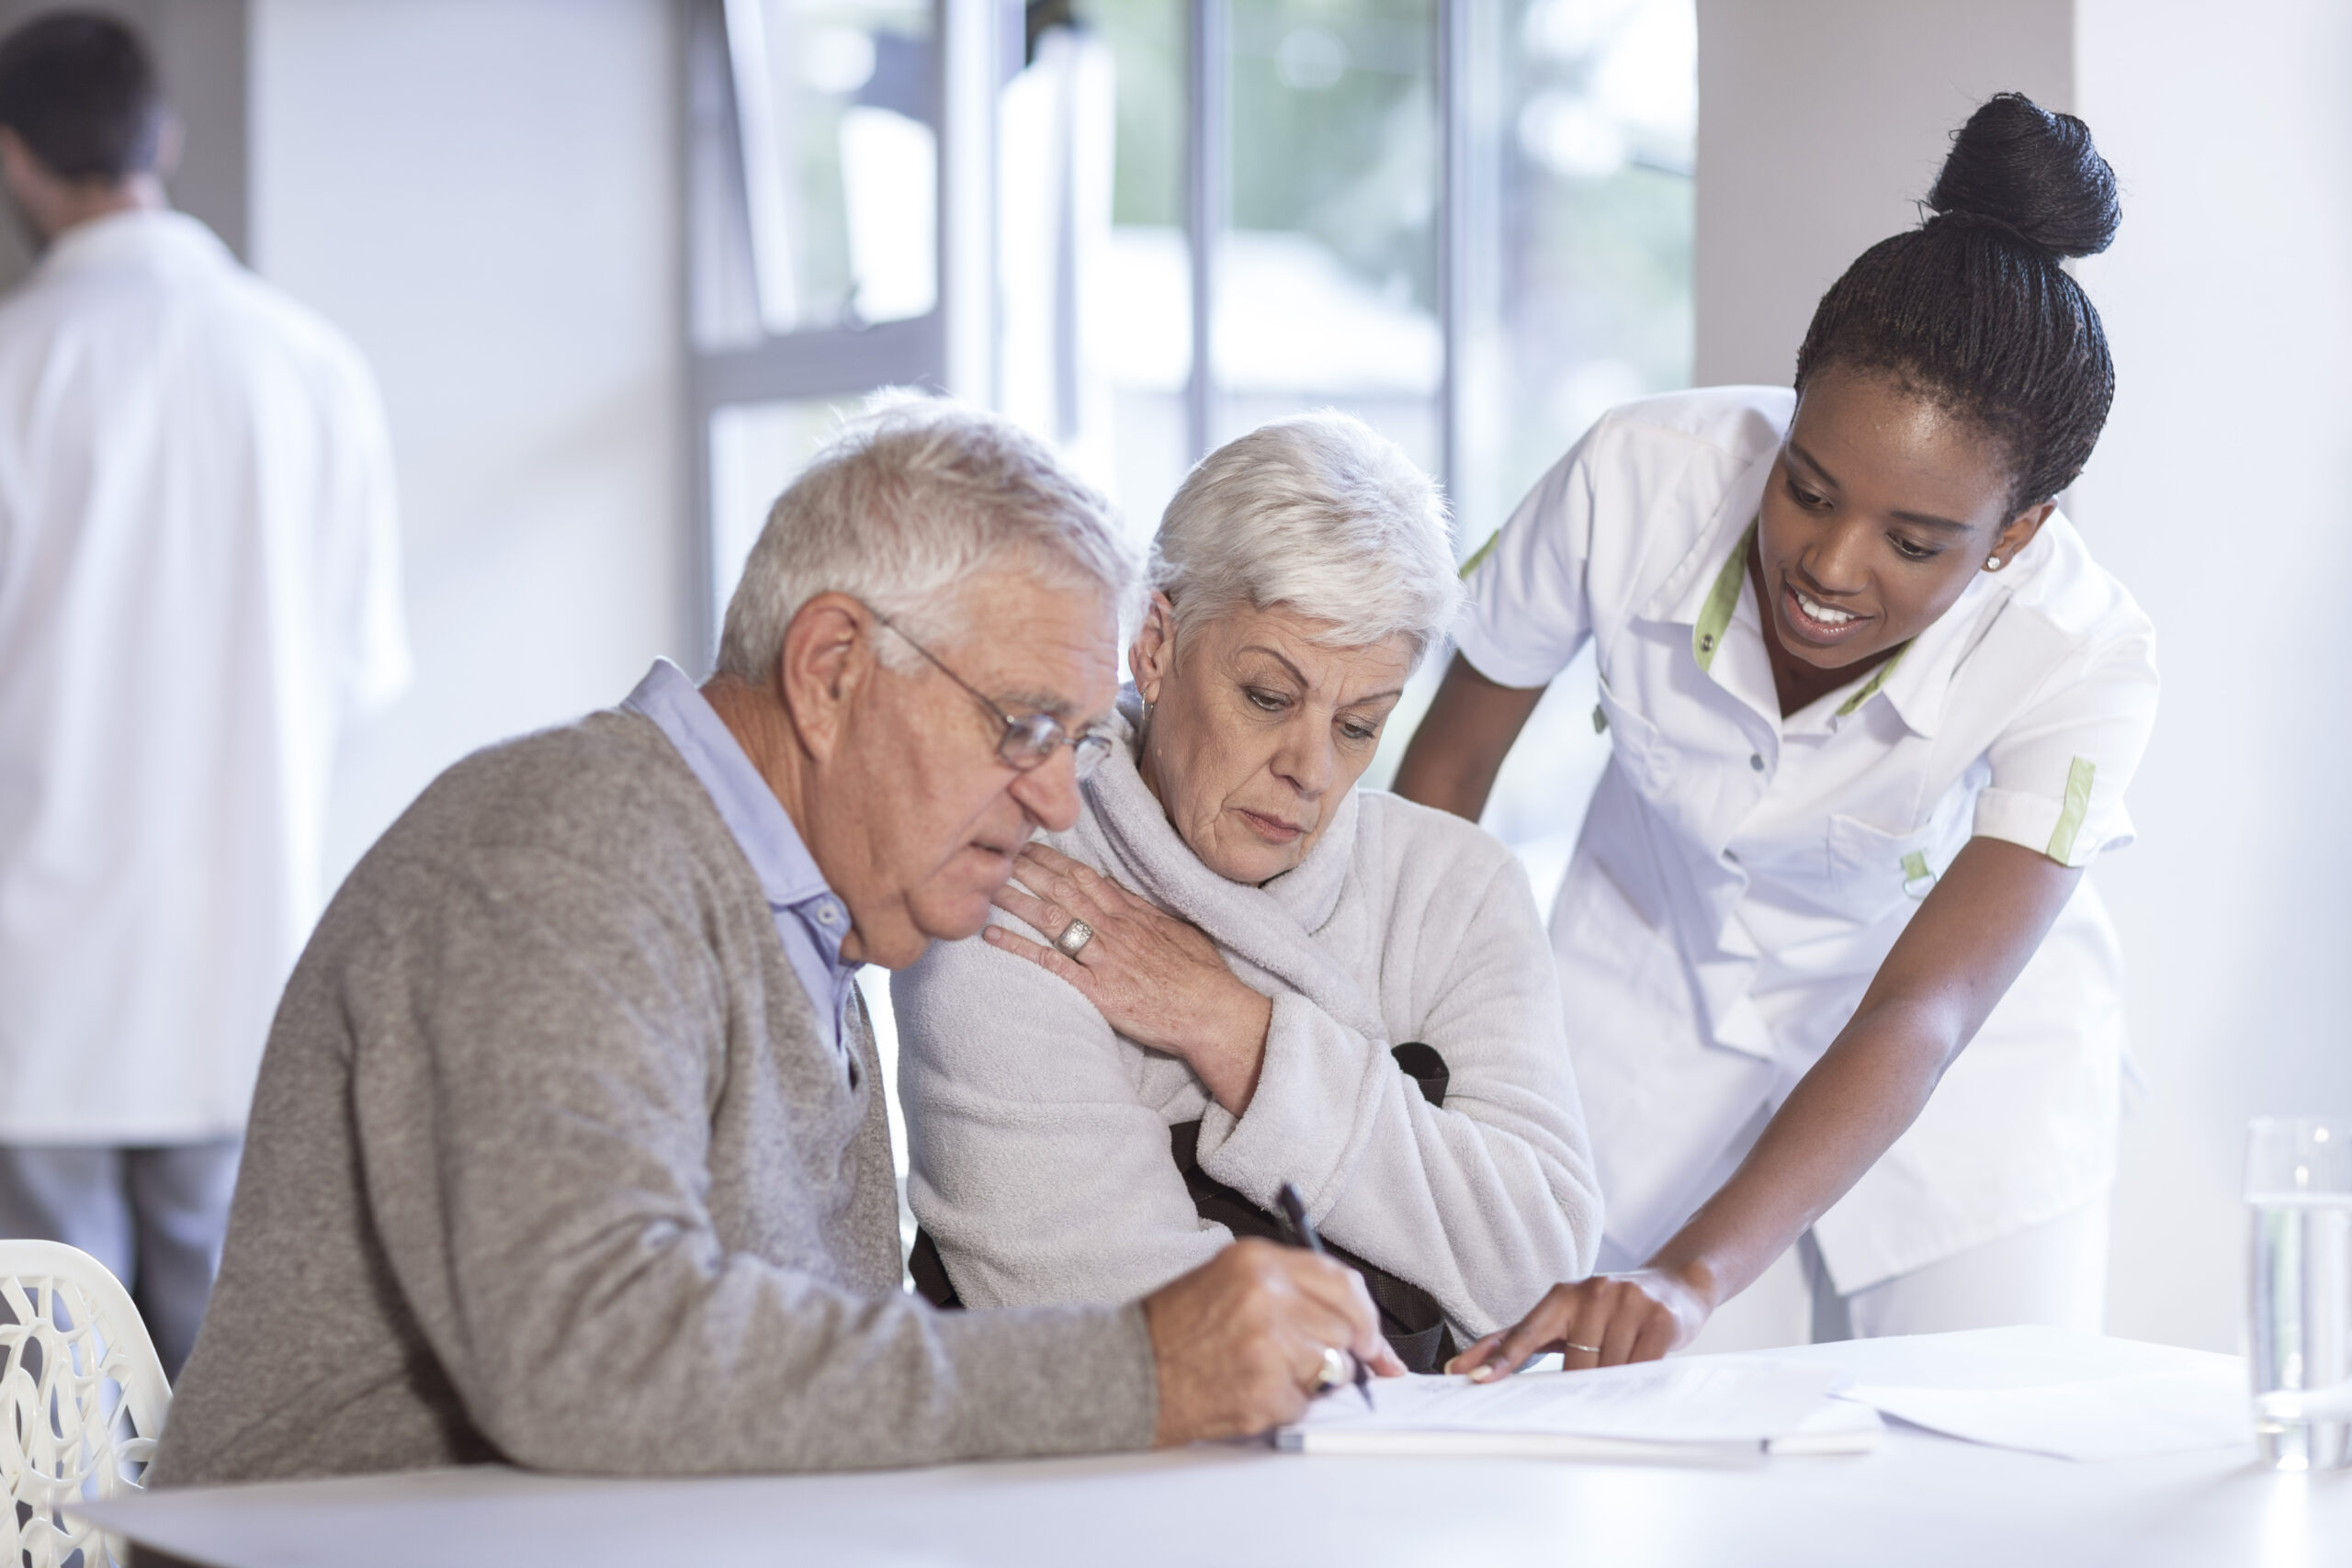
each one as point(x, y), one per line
point(1074, 938)
point(1335, 1370)
point(1588, 1349)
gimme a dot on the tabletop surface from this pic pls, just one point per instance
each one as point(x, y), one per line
point(1919, 1499)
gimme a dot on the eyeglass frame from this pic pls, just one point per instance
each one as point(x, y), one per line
point(1087, 749)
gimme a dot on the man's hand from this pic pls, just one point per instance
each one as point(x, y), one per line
point(1239, 1342)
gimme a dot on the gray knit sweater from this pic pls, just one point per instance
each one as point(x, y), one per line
point(550, 1162)
point(1039, 1135)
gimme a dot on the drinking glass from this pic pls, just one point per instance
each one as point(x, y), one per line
point(2298, 1183)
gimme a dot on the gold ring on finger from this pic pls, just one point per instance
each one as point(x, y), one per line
point(1588, 1349)
point(1334, 1371)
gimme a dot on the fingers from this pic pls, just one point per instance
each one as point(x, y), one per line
point(1547, 1325)
point(1476, 1355)
point(1041, 916)
point(1047, 958)
point(1079, 884)
point(1606, 1321)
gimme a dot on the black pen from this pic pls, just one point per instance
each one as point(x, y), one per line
point(1302, 1233)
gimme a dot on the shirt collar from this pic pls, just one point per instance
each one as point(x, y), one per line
point(143, 232)
point(788, 875)
point(1703, 592)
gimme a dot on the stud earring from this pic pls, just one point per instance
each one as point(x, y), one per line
point(1992, 563)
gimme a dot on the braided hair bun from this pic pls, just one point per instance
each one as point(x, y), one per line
point(2032, 173)
point(1974, 310)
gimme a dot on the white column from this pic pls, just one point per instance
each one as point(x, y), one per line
point(2220, 496)
point(1821, 122)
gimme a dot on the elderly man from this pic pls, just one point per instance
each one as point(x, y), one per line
point(569, 1148)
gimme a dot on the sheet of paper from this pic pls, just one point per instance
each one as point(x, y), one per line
point(1671, 1402)
point(2126, 1416)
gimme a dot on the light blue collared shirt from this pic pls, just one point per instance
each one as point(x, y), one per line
point(809, 917)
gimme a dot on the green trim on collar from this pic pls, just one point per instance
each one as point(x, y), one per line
point(1714, 616)
point(1478, 557)
point(1878, 678)
point(2079, 806)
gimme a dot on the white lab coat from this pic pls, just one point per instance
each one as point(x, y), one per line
point(199, 582)
point(1740, 876)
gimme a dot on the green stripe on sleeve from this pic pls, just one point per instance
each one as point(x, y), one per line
point(2079, 806)
point(1478, 557)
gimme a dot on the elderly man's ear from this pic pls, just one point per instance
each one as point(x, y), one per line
point(827, 661)
point(1153, 653)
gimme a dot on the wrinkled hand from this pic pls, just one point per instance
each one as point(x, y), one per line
point(1155, 979)
point(1605, 1321)
point(1238, 1343)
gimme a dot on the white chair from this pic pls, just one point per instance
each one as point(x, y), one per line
point(82, 1394)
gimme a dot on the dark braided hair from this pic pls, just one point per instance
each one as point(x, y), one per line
point(1972, 309)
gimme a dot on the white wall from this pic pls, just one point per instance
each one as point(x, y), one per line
point(1821, 122)
point(483, 194)
point(2218, 495)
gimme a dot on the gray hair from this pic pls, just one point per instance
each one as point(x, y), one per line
point(1319, 513)
point(901, 509)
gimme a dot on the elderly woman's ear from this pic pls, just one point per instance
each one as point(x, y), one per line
point(1153, 652)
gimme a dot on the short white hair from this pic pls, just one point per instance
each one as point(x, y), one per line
point(1321, 514)
point(902, 508)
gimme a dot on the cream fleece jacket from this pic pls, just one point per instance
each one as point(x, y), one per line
point(1039, 1136)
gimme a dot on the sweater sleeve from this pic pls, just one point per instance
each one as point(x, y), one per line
point(1485, 1203)
point(536, 1069)
point(1034, 1161)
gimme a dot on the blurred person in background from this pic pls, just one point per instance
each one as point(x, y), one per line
point(199, 586)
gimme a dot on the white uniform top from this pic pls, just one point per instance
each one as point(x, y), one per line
point(198, 579)
point(1741, 875)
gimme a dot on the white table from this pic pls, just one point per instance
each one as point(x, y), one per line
point(1920, 1500)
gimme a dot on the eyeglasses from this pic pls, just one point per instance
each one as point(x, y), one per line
point(1029, 741)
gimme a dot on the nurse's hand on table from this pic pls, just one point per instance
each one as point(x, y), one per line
point(1239, 1342)
point(1605, 1321)
point(1155, 979)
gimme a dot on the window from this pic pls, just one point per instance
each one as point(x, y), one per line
point(1160, 223)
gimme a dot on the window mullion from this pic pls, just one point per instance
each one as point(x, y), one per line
point(1209, 77)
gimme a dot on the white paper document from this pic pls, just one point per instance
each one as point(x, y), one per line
point(1710, 1407)
point(2124, 1417)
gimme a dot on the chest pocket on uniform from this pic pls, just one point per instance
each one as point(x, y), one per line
point(1641, 748)
point(1873, 872)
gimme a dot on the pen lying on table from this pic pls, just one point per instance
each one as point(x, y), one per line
point(1302, 1233)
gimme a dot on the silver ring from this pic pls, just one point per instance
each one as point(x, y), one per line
point(1074, 938)
point(1335, 1370)
point(1588, 1349)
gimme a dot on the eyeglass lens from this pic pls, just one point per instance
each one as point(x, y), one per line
point(1033, 738)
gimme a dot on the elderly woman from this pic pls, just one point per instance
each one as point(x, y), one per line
point(1238, 971)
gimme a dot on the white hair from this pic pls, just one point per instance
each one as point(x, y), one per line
point(1318, 513)
point(902, 508)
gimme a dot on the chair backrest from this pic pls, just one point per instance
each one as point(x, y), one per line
point(82, 1400)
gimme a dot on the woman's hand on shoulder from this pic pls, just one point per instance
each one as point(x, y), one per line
point(1604, 1321)
point(1155, 979)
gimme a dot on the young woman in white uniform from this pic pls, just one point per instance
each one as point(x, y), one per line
point(1872, 707)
